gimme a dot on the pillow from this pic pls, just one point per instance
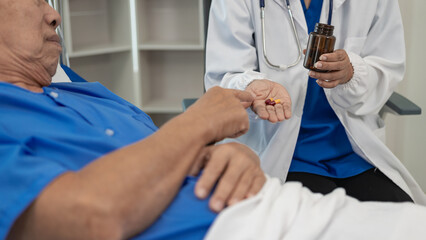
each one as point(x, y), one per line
point(60, 75)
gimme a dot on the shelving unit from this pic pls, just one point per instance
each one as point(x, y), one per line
point(170, 24)
point(150, 52)
point(168, 77)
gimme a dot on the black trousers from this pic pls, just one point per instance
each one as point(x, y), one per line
point(371, 185)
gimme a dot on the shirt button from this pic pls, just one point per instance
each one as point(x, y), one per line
point(54, 94)
point(109, 132)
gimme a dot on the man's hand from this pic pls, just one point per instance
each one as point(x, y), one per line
point(223, 111)
point(264, 89)
point(236, 170)
point(339, 67)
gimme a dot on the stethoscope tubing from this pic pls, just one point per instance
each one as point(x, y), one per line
point(295, 34)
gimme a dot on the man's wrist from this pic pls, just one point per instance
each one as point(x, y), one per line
point(198, 126)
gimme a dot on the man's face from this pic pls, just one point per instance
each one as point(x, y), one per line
point(27, 34)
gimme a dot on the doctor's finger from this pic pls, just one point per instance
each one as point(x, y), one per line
point(331, 66)
point(336, 56)
point(272, 113)
point(286, 103)
point(259, 107)
point(279, 110)
point(329, 84)
point(331, 76)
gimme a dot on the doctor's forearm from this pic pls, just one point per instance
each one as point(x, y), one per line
point(379, 63)
point(372, 84)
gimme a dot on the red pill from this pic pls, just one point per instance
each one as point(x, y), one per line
point(270, 101)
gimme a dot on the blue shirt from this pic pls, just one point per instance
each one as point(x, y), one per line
point(322, 146)
point(43, 135)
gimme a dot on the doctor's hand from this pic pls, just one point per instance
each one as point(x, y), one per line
point(222, 112)
point(339, 67)
point(264, 89)
point(235, 169)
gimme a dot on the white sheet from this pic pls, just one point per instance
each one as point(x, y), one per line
point(291, 211)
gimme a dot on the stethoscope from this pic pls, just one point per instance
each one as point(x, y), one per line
point(283, 67)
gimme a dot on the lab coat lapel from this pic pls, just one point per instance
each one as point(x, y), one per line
point(297, 9)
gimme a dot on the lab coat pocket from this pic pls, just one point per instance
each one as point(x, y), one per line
point(355, 44)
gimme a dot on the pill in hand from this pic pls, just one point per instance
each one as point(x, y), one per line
point(270, 101)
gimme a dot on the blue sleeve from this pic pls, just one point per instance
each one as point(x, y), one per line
point(186, 218)
point(22, 178)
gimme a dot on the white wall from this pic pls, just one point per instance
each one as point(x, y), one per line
point(406, 135)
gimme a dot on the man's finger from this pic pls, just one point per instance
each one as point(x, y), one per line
point(225, 187)
point(257, 185)
point(199, 163)
point(238, 133)
point(245, 97)
point(210, 175)
point(241, 190)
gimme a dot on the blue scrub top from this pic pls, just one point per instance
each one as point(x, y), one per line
point(43, 135)
point(323, 147)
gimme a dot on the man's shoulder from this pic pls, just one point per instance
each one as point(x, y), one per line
point(86, 88)
point(11, 95)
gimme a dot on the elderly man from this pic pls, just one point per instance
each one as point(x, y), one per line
point(78, 162)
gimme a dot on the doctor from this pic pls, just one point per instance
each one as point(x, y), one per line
point(332, 134)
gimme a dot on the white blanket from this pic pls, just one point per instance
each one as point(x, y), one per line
point(291, 211)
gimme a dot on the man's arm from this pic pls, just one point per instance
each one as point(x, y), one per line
point(122, 193)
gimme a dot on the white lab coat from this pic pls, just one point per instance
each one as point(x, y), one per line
point(370, 31)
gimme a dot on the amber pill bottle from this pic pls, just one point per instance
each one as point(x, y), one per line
point(321, 41)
